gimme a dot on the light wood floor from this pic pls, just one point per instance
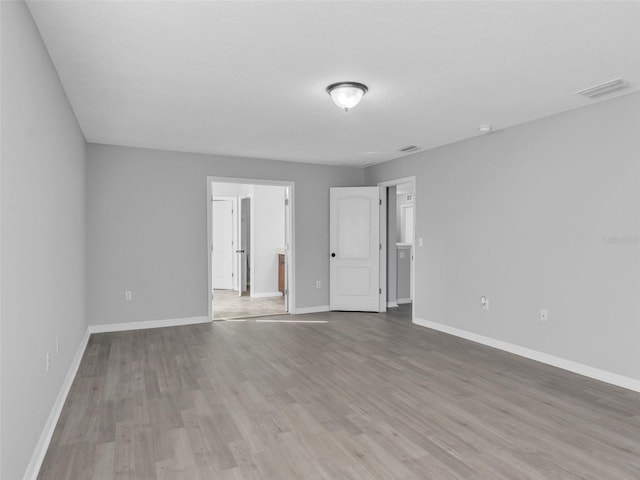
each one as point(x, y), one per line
point(364, 396)
point(227, 304)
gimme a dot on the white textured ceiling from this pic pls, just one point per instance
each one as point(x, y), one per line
point(248, 78)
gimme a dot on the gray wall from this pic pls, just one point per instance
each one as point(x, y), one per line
point(403, 288)
point(147, 228)
point(43, 236)
point(542, 215)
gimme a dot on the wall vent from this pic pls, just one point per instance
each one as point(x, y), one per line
point(607, 88)
point(409, 148)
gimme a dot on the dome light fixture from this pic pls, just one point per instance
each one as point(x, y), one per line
point(347, 95)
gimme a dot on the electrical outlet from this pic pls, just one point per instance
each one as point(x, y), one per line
point(484, 302)
point(128, 295)
point(48, 360)
point(318, 284)
point(544, 315)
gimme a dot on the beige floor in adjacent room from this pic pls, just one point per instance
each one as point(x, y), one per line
point(363, 396)
point(227, 305)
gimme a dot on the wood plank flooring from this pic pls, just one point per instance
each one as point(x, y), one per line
point(364, 396)
point(227, 304)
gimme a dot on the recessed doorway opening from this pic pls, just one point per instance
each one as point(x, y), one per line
point(250, 238)
point(400, 243)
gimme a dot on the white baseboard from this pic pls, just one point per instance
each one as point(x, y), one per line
point(170, 322)
point(403, 300)
point(575, 367)
point(318, 309)
point(49, 427)
point(392, 304)
point(266, 294)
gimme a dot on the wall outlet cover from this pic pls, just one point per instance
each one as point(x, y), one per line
point(484, 302)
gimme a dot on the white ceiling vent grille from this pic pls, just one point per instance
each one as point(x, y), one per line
point(360, 163)
point(409, 148)
point(607, 88)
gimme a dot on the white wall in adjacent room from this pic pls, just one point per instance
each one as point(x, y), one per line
point(267, 227)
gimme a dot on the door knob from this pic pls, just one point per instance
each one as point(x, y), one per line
point(333, 254)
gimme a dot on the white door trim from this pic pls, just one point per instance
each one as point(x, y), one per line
point(392, 183)
point(291, 244)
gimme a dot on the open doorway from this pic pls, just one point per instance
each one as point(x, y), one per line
point(400, 243)
point(250, 245)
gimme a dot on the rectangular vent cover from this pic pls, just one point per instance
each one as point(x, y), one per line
point(360, 163)
point(607, 88)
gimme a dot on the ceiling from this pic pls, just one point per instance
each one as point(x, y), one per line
point(248, 78)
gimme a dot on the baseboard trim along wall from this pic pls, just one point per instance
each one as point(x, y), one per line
point(403, 300)
point(45, 437)
point(266, 294)
point(318, 309)
point(47, 432)
point(575, 367)
point(170, 322)
point(392, 304)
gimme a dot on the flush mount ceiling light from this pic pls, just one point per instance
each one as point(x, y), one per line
point(347, 95)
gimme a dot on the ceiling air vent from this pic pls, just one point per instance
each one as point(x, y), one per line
point(361, 163)
point(606, 88)
point(409, 148)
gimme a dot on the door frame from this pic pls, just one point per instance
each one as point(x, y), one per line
point(249, 265)
point(290, 283)
point(385, 249)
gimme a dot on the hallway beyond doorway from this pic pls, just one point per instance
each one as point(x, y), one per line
point(229, 305)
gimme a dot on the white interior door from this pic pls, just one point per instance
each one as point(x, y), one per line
point(355, 249)
point(244, 206)
point(222, 244)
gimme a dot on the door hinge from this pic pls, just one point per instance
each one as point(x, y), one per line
point(380, 246)
point(286, 202)
point(380, 200)
point(380, 291)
